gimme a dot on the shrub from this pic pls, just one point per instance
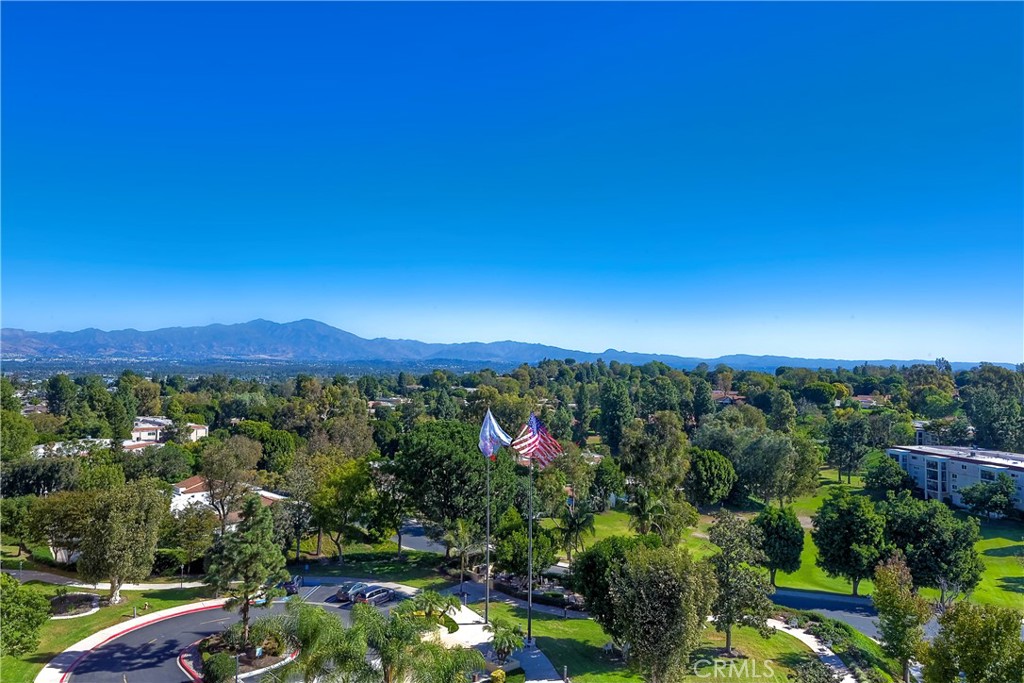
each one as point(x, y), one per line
point(168, 561)
point(498, 676)
point(219, 668)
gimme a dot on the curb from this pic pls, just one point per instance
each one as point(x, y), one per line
point(197, 677)
point(92, 610)
point(57, 672)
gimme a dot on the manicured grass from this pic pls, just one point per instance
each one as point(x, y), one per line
point(9, 559)
point(577, 644)
point(381, 563)
point(609, 523)
point(57, 636)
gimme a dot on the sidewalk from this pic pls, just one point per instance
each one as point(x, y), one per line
point(475, 592)
point(46, 577)
point(830, 658)
point(56, 670)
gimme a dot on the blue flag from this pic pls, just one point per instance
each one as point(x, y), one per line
point(492, 437)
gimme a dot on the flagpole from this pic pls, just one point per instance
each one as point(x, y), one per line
point(529, 566)
point(487, 552)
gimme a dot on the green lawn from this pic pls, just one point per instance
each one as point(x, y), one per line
point(57, 636)
point(577, 644)
point(381, 563)
point(1001, 545)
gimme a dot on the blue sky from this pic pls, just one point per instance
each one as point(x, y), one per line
point(827, 180)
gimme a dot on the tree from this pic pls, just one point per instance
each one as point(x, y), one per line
point(782, 540)
point(344, 502)
point(326, 649)
point(592, 573)
point(996, 497)
point(247, 564)
point(392, 500)
point(616, 413)
point(850, 536)
point(980, 642)
point(703, 402)
point(662, 599)
point(120, 539)
point(782, 417)
point(61, 395)
point(847, 445)
point(902, 613)
point(17, 436)
point(660, 512)
point(464, 539)
point(229, 472)
point(511, 552)
point(443, 664)
point(16, 515)
point(887, 475)
point(938, 546)
point(23, 612)
point(710, 478)
point(192, 531)
point(506, 638)
point(744, 595)
point(574, 521)
point(61, 520)
point(608, 481)
point(395, 638)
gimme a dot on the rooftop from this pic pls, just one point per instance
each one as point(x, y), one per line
point(965, 453)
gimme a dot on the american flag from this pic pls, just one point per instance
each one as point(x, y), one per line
point(536, 443)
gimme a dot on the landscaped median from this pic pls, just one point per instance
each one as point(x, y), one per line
point(60, 667)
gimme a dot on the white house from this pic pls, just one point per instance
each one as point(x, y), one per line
point(943, 471)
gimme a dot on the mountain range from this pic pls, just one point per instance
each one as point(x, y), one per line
point(314, 341)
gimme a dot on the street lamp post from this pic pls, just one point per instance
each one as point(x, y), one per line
point(182, 583)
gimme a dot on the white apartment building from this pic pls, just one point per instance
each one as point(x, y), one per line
point(943, 471)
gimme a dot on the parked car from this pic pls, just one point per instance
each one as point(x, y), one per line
point(347, 591)
point(292, 585)
point(375, 595)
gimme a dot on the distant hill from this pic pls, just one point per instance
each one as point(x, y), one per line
point(313, 341)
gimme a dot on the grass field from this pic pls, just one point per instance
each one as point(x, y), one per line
point(378, 562)
point(577, 644)
point(57, 636)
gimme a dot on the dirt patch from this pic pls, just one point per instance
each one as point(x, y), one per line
point(70, 604)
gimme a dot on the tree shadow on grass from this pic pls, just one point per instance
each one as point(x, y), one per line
point(1012, 584)
point(1005, 551)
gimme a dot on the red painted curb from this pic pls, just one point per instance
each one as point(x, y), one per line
point(129, 630)
point(184, 665)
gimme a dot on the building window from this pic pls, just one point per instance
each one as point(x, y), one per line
point(955, 487)
point(963, 467)
point(954, 475)
point(987, 476)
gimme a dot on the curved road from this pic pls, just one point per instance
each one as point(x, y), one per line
point(150, 654)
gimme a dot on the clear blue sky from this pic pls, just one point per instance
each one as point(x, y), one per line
point(837, 180)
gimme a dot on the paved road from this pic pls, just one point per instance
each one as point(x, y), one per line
point(414, 537)
point(149, 654)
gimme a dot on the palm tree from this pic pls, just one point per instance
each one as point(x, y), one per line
point(575, 521)
point(327, 650)
point(430, 605)
point(447, 664)
point(464, 539)
point(506, 639)
point(647, 512)
point(395, 638)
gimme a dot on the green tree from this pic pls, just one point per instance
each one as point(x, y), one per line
point(902, 613)
point(120, 539)
point(344, 502)
point(16, 518)
point(996, 497)
point(847, 445)
point(592, 572)
point(395, 638)
point(782, 540)
point(782, 417)
point(229, 472)
point(573, 523)
point(887, 475)
point(710, 478)
point(193, 530)
point(17, 436)
point(850, 535)
point(660, 512)
point(464, 539)
point(511, 552)
point(616, 413)
point(703, 403)
point(506, 638)
point(976, 644)
point(247, 563)
point(23, 612)
point(744, 595)
point(662, 599)
point(938, 546)
point(326, 649)
point(392, 499)
point(608, 480)
point(61, 395)
point(8, 398)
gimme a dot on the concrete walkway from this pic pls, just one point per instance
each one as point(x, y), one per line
point(57, 579)
point(830, 658)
